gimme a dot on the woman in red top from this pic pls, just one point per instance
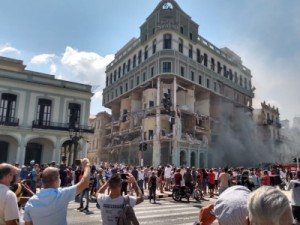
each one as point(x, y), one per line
point(265, 180)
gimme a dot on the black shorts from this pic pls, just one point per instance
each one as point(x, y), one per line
point(211, 186)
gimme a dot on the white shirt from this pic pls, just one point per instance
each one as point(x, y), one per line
point(8, 205)
point(141, 175)
point(168, 172)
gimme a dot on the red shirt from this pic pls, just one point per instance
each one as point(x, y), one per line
point(265, 180)
point(211, 177)
point(177, 178)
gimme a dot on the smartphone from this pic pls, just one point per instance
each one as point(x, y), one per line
point(77, 162)
point(124, 176)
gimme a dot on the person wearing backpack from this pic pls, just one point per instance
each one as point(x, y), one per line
point(114, 207)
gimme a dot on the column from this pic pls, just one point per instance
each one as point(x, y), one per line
point(22, 148)
point(175, 152)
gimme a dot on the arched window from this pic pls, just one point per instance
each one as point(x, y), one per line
point(199, 60)
point(154, 47)
point(146, 53)
point(167, 41)
point(134, 61)
point(128, 65)
point(140, 57)
point(205, 59)
point(124, 68)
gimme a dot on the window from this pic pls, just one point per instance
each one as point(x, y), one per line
point(74, 115)
point(241, 80)
point(152, 71)
point(128, 65)
point(180, 45)
point(154, 47)
point(191, 51)
point(106, 82)
point(212, 64)
point(199, 60)
point(205, 59)
point(200, 79)
point(121, 90)
point(126, 87)
point(131, 83)
point(119, 72)
point(245, 83)
point(44, 112)
point(191, 36)
point(215, 86)
point(182, 71)
point(181, 29)
point(151, 103)
point(140, 57)
point(124, 68)
point(235, 77)
point(7, 107)
point(192, 75)
point(3, 151)
point(116, 92)
point(249, 84)
point(225, 71)
point(219, 67)
point(144, 76)
point(230, 74)
point(137, 80)
point(167, 41)
point(115, 75)
point(146, 53)
point(134, 61)
point(166, 67)
point(207, 83)
point(110, 78)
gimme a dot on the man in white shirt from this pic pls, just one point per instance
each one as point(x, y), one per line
point(111, 205)
point(9, 211)
point(295, 187)
point(168, 170)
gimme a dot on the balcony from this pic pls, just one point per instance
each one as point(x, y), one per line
point(9, 121)
point(61, 126)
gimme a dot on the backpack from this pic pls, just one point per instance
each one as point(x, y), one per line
point(127, 216)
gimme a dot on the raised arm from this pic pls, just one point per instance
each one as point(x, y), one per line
point(139, 194)
point(84, 182)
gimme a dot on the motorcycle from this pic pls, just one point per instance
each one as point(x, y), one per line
point(184, 192)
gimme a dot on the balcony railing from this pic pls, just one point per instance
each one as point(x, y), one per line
point(9, 121)
point(60, 126)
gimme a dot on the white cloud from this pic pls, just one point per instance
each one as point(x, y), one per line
point(89, 67)
point(6, 48)
point(53, 68)
point(43, 58)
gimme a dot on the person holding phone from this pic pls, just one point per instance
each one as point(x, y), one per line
point(55, 198)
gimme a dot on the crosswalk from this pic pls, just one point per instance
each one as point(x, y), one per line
point(164, 212)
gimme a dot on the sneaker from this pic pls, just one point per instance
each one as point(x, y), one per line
point(83, 209)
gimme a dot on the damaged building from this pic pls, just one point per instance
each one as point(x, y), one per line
point(170, 92)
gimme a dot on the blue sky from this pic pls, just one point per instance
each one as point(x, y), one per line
point(75, 40)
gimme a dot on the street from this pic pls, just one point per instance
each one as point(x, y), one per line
point(166, 211)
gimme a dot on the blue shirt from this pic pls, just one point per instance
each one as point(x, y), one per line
point(49, 207)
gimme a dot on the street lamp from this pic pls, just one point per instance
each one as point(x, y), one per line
point(75, 136)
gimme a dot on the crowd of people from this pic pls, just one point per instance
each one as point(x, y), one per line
point(107, 184)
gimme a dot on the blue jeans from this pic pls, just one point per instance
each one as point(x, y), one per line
point(85, 192)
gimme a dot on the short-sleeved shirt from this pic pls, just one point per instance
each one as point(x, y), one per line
point(8, 205)
point(295, 186)
point(49, 207)
point(211, 177)
point(111, 208)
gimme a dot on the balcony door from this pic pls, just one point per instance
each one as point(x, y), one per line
point(3, 151)
point(7, 108)
point(44, 112)
point(74, 115)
